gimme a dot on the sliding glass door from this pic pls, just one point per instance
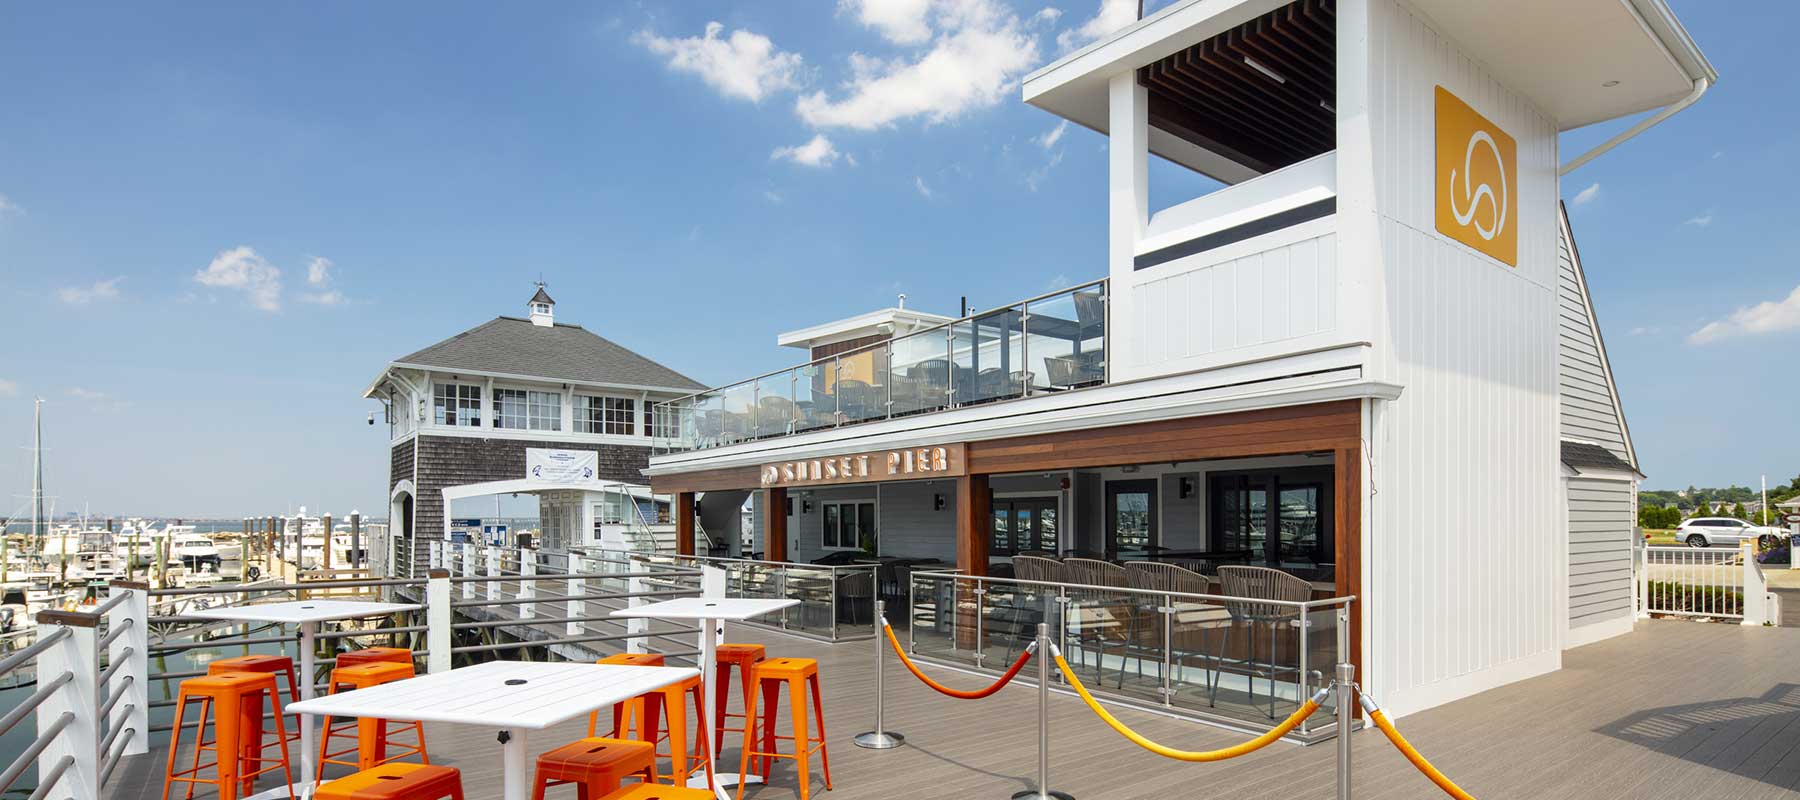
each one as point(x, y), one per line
point(1024, 523)
point(1276, 518)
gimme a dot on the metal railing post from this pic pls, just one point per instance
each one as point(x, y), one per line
point(636, 626)
point(78, 700)
point(880, 738)
point(1043, 790)
point(437, 554)
point(438, 616)
point(132, 711)
point(527, 586)
point(1346, 701)
point(495, 570)
point(467, 568)
point(573, 588)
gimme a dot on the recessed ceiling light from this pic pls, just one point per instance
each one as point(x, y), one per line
point(1610, 84)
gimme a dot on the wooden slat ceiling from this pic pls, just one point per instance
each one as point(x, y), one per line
point(1212, 96)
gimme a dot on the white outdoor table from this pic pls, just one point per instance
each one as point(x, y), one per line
point(512, 696)
point(711, 612)
point(307, 614)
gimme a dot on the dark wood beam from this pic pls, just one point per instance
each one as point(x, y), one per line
point(973, 501)
point(775, 524)
point(684, 523)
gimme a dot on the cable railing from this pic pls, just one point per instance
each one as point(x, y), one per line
point(1051, 343)
point(90, 703)
point(1231, 659)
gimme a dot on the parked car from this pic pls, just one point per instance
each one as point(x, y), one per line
point(1726, 531)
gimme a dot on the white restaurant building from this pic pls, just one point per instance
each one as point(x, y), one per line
point(1376, 340)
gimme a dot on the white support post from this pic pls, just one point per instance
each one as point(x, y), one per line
point(1756, 589)
point(468, 569)
point(527, 587)
point(1641, 561)
point(575, 587)
point(1794, 545)
point(438, 616)
point(78, 698)
point(132, 647)
point(437, 554)
point(494, 571)
point(636, 626)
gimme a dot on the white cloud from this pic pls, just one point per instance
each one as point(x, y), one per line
point(318, 272)
point(1047, 15)
point(976, 55)
point(1765, 317)
point(1037, 176)
point(1111, 16)
point(1640, 331)
point(1050, 137)
point(8, 388)
point(919, 183)
point(744, 65)
point(96, 399)
point(318, 276)
point(329, 297)
point(242, 269)
point(7, 206)
point(1587, 195)
point(898, 21)
point(1701, 220)
point(773, 196)
point(818, 152)
point(98, 290)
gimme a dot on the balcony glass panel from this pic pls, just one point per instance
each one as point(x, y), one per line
point(775, 405)
point(919, 377)
point(994, 364)
point(1066, 340)
point(861, 384)
point(738, 417)
point(815, 406)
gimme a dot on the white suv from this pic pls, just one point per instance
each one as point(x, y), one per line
point(1709, 531)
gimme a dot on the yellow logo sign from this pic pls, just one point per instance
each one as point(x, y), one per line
point(1477, 180)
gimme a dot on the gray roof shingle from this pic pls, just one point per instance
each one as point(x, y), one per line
point(561, 352)
point(1592, 456)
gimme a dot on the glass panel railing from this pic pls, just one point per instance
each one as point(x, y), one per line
point(1052, 343)
point(775, 405)
point(1065, 335)
point(919, 373)
point(1244, 661)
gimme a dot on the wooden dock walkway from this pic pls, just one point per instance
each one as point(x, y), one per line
point(1675, 711)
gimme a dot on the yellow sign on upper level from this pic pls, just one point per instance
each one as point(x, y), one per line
point(1477, 180)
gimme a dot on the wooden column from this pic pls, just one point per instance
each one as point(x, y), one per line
point(973, 502)
point(1347, 510)
point(325, 556)
point(684, 523)
point(775, 524)
point(973, 515)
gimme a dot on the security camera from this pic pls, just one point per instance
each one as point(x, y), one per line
point(371, 418)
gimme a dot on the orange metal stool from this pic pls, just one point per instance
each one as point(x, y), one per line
point(396, 782)
point(595, 765)
point(235, 700)
point(635, 706)
point(801, 675)
point(273, 665)
point(743, 657)
point(371, 734)
point(394, 655)
point(651, 792)
point(668, 702)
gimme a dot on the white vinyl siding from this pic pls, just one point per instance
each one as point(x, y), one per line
point(1601, 525)
point(1589, 410)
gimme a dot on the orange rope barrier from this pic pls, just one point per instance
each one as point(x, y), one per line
point(1005, 679)
point(1381, 721)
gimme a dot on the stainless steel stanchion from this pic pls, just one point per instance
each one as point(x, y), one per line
point(1346, 702)
point(880, 738)
point(1043, 791)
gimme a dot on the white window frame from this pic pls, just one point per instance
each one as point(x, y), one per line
point(605, 415)
point(463, 401)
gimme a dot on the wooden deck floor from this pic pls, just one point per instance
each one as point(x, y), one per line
point(1676, 710)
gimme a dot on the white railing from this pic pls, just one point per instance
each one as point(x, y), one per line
point(1704, 582)
point(90, 712)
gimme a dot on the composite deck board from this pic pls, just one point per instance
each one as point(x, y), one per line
point(1675, 710)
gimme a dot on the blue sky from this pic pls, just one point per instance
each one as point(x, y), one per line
point(219, 221)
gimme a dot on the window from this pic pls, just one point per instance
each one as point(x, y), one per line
point(518, 409)
point(610, 415)
point(848, 526)
point(457, 404)
point(661, 421)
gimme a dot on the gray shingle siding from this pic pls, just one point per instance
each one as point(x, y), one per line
point(445, 461)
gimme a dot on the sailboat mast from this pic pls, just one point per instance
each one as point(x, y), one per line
point(37, 469)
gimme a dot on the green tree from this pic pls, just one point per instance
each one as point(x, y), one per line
point(1739, 512)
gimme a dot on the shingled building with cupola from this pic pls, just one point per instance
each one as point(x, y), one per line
point(468, 409)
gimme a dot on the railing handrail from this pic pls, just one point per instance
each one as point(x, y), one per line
point(1327, 602)
point(886, 342)
point(761, 562)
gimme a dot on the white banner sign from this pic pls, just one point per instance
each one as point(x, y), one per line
point(561, 466)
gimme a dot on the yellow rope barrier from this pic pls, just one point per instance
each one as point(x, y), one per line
point(1406, 749)
point(1306, 709)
